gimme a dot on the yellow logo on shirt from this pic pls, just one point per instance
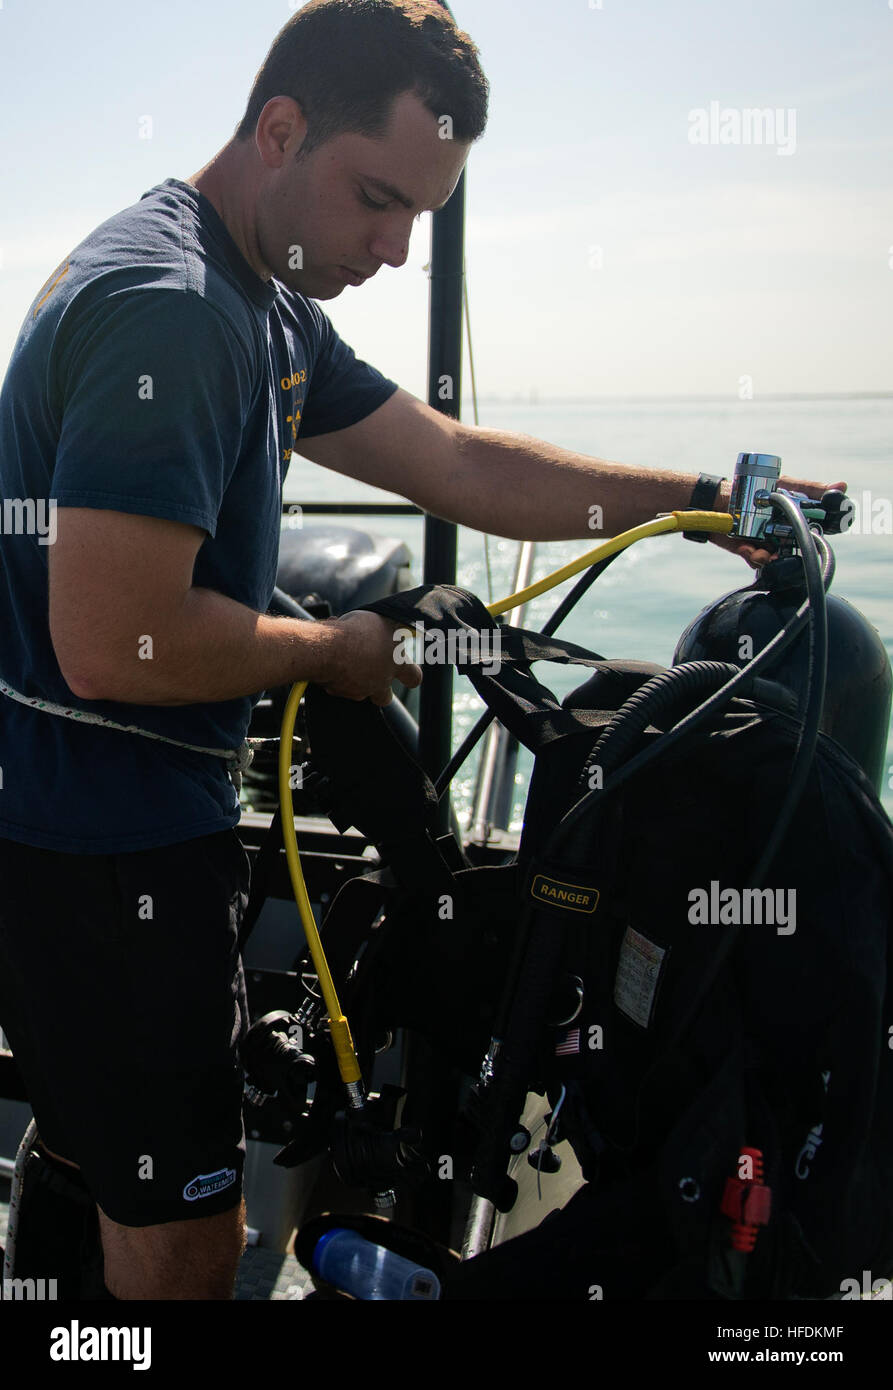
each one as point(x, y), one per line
point(288, 383)
point(58, 275)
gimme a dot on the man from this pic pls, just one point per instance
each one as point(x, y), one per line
point(157, 388)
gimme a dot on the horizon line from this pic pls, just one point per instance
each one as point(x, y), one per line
point(516, 398)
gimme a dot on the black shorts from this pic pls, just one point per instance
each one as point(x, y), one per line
point(123, 999)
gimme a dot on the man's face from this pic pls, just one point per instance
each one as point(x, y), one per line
point(350, 204)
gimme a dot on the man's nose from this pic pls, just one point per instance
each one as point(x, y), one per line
point(392, 246)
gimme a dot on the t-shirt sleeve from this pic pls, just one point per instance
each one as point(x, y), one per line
point(154, 389)
point(343, 389)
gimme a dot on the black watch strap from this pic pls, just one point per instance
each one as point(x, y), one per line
point(703, 499)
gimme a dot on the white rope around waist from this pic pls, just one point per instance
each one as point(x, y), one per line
point(240, 758)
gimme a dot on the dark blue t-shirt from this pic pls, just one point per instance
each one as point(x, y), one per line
point(157, 374)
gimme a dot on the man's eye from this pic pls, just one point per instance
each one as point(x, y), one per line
point(370, 202)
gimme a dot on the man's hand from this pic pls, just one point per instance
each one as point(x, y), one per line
point(366, 663)
point(755, 555)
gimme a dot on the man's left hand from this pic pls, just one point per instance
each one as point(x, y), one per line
point(756, 555)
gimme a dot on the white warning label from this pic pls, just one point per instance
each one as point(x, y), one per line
point(638, 974)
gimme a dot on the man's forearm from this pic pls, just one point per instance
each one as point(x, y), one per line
point(527, 489)
point(215, 649)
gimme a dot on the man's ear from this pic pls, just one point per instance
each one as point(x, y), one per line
point(281, 131)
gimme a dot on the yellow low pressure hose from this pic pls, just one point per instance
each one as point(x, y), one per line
point(717, 522)
point(345, 1052)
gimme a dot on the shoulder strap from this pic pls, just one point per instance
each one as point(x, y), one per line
point(372, 782)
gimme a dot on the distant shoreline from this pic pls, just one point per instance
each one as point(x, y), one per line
point(520, 399)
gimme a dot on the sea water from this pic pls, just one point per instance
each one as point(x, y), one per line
point(641, 605)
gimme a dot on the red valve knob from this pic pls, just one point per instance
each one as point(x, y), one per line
point(748, 1203)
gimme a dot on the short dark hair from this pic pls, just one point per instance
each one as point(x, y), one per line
point(346, 61)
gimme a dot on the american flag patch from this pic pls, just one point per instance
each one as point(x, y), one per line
point(569, 1045)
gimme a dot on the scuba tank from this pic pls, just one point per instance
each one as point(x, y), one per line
point(856, 708)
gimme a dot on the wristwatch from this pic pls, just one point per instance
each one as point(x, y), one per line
point(703, 499)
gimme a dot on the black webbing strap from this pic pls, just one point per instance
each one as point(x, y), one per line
point(527, 708)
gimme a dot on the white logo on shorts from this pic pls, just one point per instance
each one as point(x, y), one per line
point(206, 1184)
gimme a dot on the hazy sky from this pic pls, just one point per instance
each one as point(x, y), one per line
point(607, 253)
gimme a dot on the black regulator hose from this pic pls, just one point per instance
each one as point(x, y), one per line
point(816, 681)
point(829, 559)
point(651, 701)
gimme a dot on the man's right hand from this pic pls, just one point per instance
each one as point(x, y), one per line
point(365, 662)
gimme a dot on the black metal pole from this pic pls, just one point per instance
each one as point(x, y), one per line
point(427, 1073)
point(444, 394)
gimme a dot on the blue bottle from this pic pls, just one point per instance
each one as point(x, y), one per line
point(356, 1266)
